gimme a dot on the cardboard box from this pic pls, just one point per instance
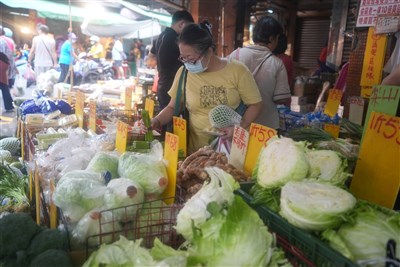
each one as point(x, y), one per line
point(299, 100)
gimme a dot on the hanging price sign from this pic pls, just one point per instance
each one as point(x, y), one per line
point(181, 131)
point(128, 100)
point(122, 136)
point(171, 155)
point(333, 102)
point(79, 106)
point(332, 129)
point(377, 174)
point(92, 115)
point(240, 141)
point(259, 136)
point(69, 97)
point(149, 106)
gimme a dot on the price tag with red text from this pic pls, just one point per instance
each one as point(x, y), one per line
point(122, 136)
point(259, 136)
point(92, 115)
point(377, 174)
point(149, 106)
point(79, 106)
point(240, 141)
point(171, 155)
point(332, 129)
point(128, 100)
point(181, 131)
point(333, 102)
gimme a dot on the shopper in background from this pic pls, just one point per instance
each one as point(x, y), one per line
point(43, 51)
point(5, 55)
point(287, 60)
point(268, 70)
point(12, 69)
point(211, 81)
point(96, 50)
point(167, 53)
point(118, 56)
point(67, 56)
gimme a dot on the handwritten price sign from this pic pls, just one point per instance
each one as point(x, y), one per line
point(180, 130)
point(333, 102)
point(332, 129)
point(122, 136)
point(171, 155)
point(79, 106)
point(149, 106)
point(259, 136)
point(128, 100)
point(239, 147)
point(92, 115)
point(377, 174)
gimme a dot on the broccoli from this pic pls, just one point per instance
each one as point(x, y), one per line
point(47, 239)
point(50, 258)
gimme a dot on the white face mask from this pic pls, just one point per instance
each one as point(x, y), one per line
point(92, 42)
point(197, 67)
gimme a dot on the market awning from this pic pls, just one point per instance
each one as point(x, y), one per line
point(164, 19)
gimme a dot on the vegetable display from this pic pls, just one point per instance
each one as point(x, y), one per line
point(102, 162)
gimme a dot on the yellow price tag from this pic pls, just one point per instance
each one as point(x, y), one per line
point(259, 136)
point(70, 97)
point(122, 136)
point(377, 174)
point(181, 131)
point(128, 100)
point(79, 106)
point(332, 129)
point(149, 106)
point(92, 115)
point(171, 155)
point(332, 105)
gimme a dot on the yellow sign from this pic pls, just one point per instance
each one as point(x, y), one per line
point(373, 60)
point(377, 175)
point(171, 155)
point(70, 97)
point(240, 141)
point(181, 131)
point(332, 129)
point(92, 115)
point(259, 135)
point(149, 106)
point(128, 100)
point(122, 136)
point(79, 106)
point(333, 102)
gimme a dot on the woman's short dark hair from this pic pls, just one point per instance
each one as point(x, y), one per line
point(265, 28)
point(197, 35)
point(282, 45)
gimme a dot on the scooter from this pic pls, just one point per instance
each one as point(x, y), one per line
point(89, 71)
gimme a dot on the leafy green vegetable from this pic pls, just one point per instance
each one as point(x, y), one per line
point(48, 239)
point(314, 206)
point(310, 134)
point(52, 257)
point(102, 162)
point(13, 190)
point(269, 197)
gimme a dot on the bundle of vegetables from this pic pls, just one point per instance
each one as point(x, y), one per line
point(103, 162)
point(24, 243)
point(364, 237)
point(13, 188)
point(192, 174)
point(310, 134)
point(354, 130)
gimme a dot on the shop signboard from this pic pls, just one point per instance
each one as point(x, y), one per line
point(387, 24)
point(121, 137)
point(92, 115)
point(79, 106)
point(377, 174)
point(240, 141)
point(149, 106)
point(171, 156)
point(179, 127)
point(373, 62)
point(369, 10)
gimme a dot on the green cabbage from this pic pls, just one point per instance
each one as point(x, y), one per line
point(146, 169)
point(102, 162)
point(314, 206)
point(282, 160)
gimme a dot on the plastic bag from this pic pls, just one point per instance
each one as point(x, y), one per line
point(29, 74)
point(20, 84)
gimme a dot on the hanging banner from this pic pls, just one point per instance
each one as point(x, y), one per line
point(181, 131)
point(240, 141)
point(377, 174)
point(171, 155)
point(369, 10)
point(373, 62)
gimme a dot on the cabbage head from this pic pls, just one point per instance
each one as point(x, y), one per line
point(147, 170)
point(282, 160)
point(314, 206)
point(102, 162)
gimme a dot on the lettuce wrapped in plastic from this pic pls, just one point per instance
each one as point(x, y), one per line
point(102, 162)
point(78, 192)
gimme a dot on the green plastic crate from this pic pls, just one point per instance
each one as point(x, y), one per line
point(303, 248)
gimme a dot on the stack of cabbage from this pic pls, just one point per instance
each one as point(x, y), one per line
point(306, 187)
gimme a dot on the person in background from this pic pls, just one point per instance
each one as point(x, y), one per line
point(96, 50)
point(287, 60)
point(5, 55)
point(393, 78)
point(118, 57)
point(167, 53)
point(43, 51)
point(25, 51)
point(6, 35)
point(211, 81)
point(109, 51)
point(267, 69)
point(67, 56)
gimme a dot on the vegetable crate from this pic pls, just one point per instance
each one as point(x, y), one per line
point(302, 248)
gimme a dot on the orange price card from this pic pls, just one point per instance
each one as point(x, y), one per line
point(332, 105)
point(92, 115)
point(181, 131)
point(122, 136)
point(240, 141)
point(332, 129)
point(149, 106)
point(171, 155)
point(259, 136)
point(128, 100)
point(377, 174)
point(79, 106)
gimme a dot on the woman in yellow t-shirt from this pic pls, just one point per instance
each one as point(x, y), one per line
point(211, 81)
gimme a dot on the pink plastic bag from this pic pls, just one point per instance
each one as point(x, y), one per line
point(29, 74)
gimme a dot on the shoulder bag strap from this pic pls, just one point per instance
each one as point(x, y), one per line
point(181, 89)
point(48, 51)
point(259, 65)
